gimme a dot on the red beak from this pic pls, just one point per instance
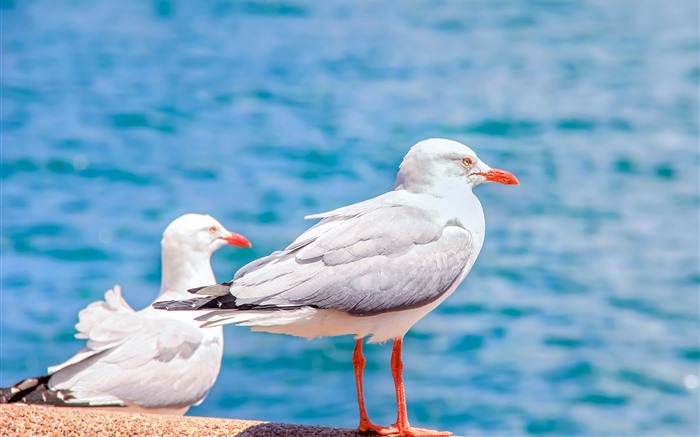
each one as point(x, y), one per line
point(237, 240)
point(501, 176)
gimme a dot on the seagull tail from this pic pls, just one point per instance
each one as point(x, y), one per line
point(34, 391)
point(258, 320)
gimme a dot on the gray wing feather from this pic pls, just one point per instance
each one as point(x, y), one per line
point(365, 259)
point(131, 357)
point(387, 231)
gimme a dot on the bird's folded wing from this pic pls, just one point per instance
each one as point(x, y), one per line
point(92, 325)
point(365, 259)
point(331, 219)
point(128, 356)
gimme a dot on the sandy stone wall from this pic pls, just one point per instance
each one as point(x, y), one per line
point(23, 420)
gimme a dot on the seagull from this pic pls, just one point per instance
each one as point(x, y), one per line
point(147, 361)
point(371, 269)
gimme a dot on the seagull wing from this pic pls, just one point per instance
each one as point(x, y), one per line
point(91, 321)
point(133, 358)
point(386, 254)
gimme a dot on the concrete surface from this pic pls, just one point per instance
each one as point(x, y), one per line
point(30, 420)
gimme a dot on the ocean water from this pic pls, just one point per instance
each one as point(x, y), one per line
point(581, 314)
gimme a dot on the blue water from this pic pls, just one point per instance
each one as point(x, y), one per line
point(581, 314)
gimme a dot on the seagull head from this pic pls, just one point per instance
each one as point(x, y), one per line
point(436, 164)
point(200, 233)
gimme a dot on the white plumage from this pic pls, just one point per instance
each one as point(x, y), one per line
point(148, 360)
point(372, 269)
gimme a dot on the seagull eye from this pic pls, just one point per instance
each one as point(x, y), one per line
point(213, 229)
point(467, 161)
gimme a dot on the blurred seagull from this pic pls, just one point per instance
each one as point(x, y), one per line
point(371, 269)
point(148, 360)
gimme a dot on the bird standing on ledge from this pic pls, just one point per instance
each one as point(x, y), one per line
point(372, 269)
point(145, 361)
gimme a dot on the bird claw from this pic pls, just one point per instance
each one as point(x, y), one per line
point(421, 432)
point(390, 431)
point(367, 427)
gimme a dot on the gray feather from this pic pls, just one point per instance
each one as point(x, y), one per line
point(352, 261)
point(212, 290)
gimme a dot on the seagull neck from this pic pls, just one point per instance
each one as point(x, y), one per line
point(452, 188)
point(456, 201)
point(448, 188)
point(184, 269)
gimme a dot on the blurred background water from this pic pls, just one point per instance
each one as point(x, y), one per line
point(581, 314)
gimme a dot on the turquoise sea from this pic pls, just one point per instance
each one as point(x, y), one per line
point(581, 316)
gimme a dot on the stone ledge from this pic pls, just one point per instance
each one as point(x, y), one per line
point(26, 420)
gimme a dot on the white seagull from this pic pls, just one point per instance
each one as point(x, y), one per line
point(372, 269)
point(148, 361)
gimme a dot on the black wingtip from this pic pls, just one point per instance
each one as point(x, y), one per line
point(212, 290)
point(197, 303)
point(34, 391)
point(162, 305)
point(176, 305)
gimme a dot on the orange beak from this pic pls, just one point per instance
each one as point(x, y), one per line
point(501, 176)
point(237, 240)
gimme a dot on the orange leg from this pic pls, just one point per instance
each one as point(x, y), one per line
point(358, 363)
point(403, 428)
